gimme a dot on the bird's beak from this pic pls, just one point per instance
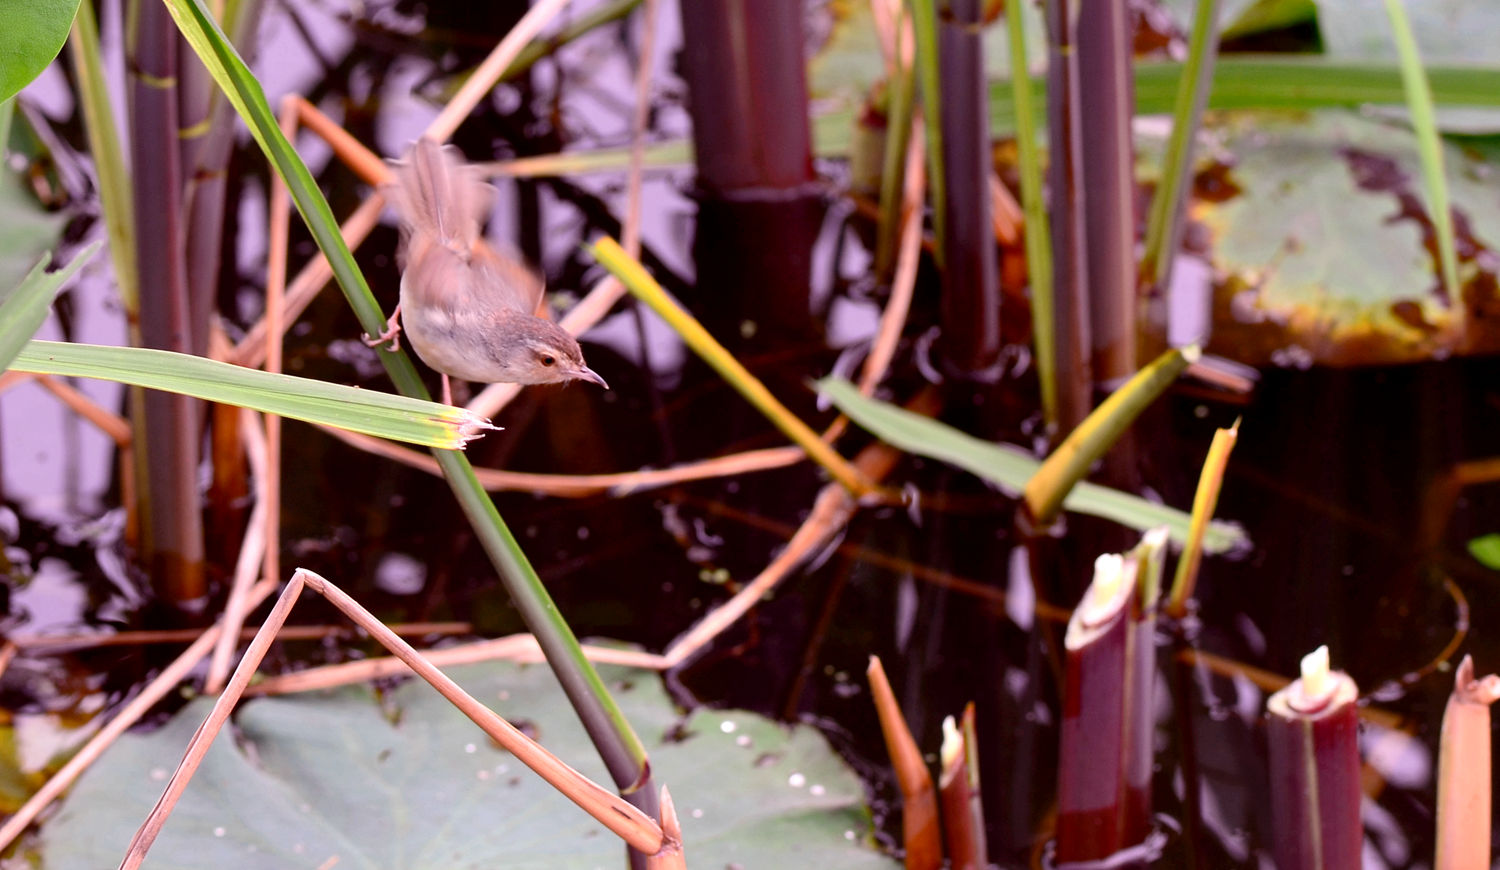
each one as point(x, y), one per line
point(588, 374)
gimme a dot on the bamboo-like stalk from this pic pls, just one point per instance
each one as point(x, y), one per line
point(1070, 277)
point(921, 833)
point(1105, 40)
point(971, 276)
point(1105, 746)
point(1313, 756)
point(958, 785)
point(1463, 794)
point(747, 92)
point(172, 519)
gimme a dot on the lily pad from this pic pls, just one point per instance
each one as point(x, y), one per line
point(405, 781)
point(33, 34)
point(1318, 226)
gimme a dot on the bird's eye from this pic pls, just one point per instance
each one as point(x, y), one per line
point(548, 359)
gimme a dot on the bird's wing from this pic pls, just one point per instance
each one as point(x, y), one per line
point(505, 281)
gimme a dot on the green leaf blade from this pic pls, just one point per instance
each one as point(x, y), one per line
point(1009, 468)
point(383, 415)
point(32, 36)
point(23, 311)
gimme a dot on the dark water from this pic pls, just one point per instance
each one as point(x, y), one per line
point(1330, 478)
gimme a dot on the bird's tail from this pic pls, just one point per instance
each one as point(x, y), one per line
point(439, 195)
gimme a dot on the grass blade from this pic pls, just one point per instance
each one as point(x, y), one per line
point(1429, 147)
point(115, 192)
point(1034, 204)
point(1164, 229)
point(1009, 467)
point(924, 32)
point(384, 415)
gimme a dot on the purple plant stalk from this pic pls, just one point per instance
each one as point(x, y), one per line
point(1312, 728)
point(1104, 776)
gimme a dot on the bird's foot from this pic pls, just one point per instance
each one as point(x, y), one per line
point(392, 334)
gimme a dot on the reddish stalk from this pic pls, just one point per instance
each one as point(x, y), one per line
point(1104, 777)
point(1106, 101)
point(921, 833)
point(958, 784)
point(971, 273)
point(1075, 384)
point(173, 526)
point(1311, 733)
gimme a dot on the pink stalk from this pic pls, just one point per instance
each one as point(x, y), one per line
point(1463, 800)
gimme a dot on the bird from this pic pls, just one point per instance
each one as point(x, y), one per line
point(467, 308)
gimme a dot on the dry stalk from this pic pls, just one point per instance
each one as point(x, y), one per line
point(247, 565)
point(516, 647)
point(45, 643)
point(670, 856)
point(638, 830)
point(203, 738)
point(581, 485)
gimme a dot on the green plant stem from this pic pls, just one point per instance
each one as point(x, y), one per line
point(115, 194)
point(1069, 463)
point(1429, 147)
point(639, 282)
point(1034, 206)
point(1164, 228)
point(898, 121)
point(924, 32)
point(621, 749)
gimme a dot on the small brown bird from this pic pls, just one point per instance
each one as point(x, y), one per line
point(468, 309)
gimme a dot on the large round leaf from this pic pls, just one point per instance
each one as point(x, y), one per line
point(33, 34)
point(1317, 224)
point(408, 782)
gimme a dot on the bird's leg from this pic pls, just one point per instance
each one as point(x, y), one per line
point(447, 391)
point(392, 332)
